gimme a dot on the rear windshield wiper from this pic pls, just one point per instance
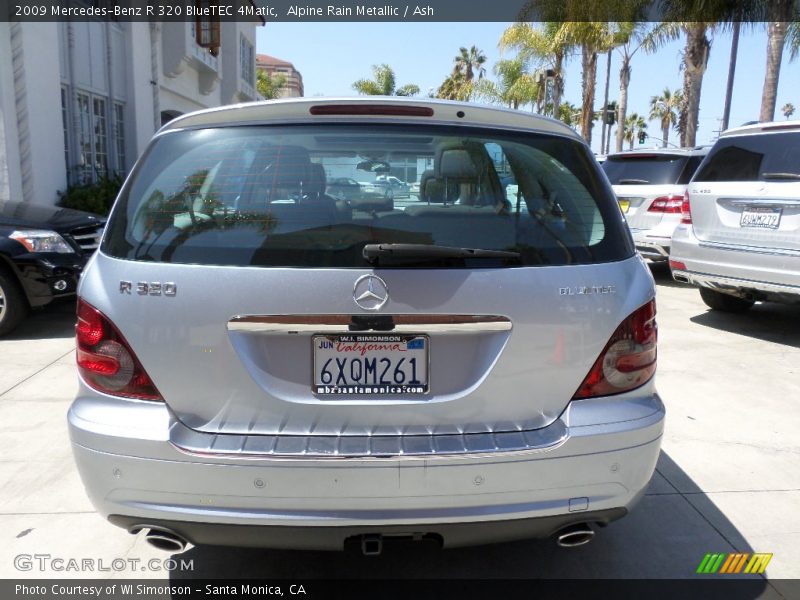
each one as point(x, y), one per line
point(633, 181)
point(428, 252)
point(790, 176)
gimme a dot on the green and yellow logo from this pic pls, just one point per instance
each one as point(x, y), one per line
point(737, 562)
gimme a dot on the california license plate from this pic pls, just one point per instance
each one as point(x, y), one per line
point(762, 217)
point(370, 364)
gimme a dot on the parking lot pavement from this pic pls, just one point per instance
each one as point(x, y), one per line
point(728, 478)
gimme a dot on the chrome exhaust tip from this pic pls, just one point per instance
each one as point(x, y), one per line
point(574, 535)
point(165, 540)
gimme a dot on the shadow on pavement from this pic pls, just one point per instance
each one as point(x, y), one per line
point(766, 321)
point(54, 321)
point(665, 536)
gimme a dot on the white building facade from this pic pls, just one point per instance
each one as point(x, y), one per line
point(80, 100)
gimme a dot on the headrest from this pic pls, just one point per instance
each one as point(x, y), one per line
point(286, 168)
point(431, 189)
point(316, 180)
point(457, 163)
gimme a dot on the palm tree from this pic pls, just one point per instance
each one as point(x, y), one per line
point(694, 62)
point(779, 15)
point(540, 48)
point(682, 18)
point(592, 37)
point(629, 38)
point(469, 62)
point(460, 84)
point(514, 87)
point(383, 84)
point(788, 110)
point(634, 124)
point(665, 109)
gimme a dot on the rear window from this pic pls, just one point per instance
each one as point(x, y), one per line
point(647, 169)
point(750, 157)
point(311, 196)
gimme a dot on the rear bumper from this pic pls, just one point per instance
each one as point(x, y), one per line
point(136, 477)
point(751, 272)
point(654, 243)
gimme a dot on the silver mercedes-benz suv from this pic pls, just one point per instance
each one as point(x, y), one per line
point(739, 238)
point(263, 364)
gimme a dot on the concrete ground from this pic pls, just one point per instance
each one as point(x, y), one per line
point(728, 478)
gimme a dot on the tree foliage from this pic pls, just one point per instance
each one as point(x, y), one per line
point(383, 83)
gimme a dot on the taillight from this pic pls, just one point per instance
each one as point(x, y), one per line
point(677, 265)
point(105, 359)
point(686, 210)
point(667, 204)
point(629, 358)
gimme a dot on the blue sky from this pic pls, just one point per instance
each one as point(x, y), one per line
point(331, 56)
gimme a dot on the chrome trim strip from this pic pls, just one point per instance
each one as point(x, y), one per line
point(306, 324)
point(776, 202)
point(754, 249)
point(218, 445)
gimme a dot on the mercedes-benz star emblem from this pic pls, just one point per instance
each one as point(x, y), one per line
point(370, 292)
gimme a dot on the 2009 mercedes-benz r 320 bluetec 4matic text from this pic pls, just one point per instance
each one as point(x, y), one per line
point(263, 364)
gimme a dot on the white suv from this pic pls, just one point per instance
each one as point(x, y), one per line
point(739, 238)
point(650, 185)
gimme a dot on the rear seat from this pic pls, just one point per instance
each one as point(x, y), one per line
point(455, 225)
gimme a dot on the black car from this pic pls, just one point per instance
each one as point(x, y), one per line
point(43, 250)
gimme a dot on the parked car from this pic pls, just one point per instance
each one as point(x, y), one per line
point(275, 372)
point(344, 188)
point(43, 250)
point(392, 186)
point(739, 238)
point(650, 185)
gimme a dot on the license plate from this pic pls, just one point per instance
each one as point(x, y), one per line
point(370, 364)
point(624, 204)
point(761, 217)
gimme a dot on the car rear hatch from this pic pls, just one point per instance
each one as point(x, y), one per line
point(257, 305)
point(747, 192)
point(649, 185)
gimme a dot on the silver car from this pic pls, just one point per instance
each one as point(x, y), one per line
point(650, 185)
point(739, 240)
point(261, 364)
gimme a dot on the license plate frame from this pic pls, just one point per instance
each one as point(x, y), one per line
point(379, 380)
point(755, 217)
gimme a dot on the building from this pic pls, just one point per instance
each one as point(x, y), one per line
point(273, 66)
point(80, 100)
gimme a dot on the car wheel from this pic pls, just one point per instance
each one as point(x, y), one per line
point(13, 306)
point(725, 302)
